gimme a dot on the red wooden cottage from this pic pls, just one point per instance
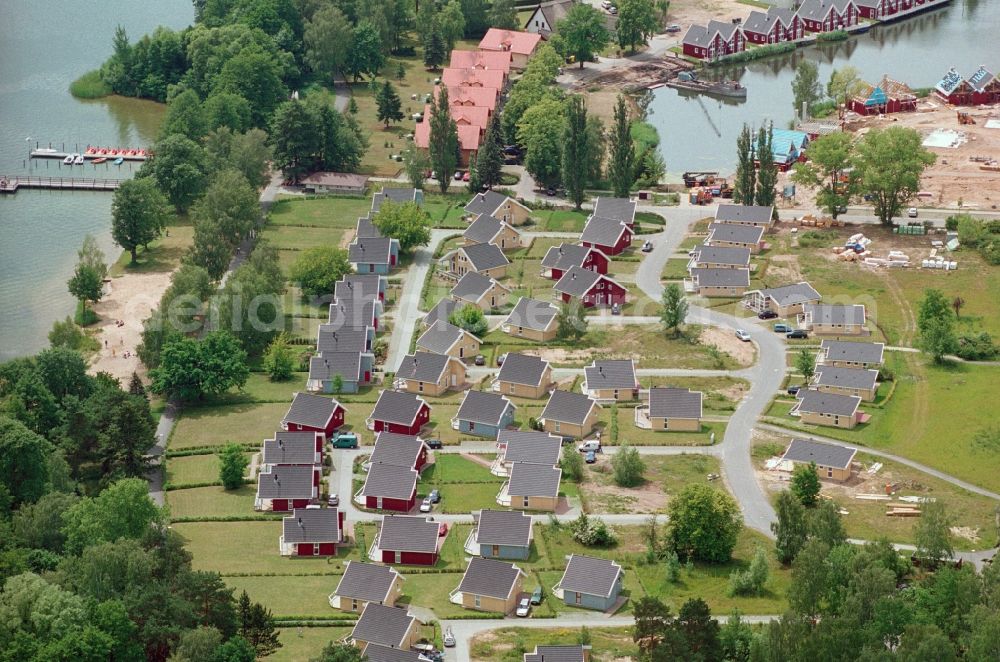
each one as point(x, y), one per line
point(389, 487)
point(985, 87)
point(313, 413)
point(402, 450)
point(399, 412)
point(590, 288)
point(954, 89)
point(608, 235)
point(285, 449)
point(776, 25)
point(559, 259)
point(409, 540)
point(886, 96)
point(717, 39)
point(828, 15)
point(286, 488)
point(312, 532)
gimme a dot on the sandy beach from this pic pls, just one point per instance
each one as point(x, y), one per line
point(130, 299)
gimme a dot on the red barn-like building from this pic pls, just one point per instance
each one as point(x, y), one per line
point(402, 450)
point(608, 235)
point(828, 15)
point(715, 40)
point(409, 540)
point(591, 288)
point(312, 532)
point(285, 488)
point(389, 487)
point(886, 96)
point(560, 259)
point(313, 413)
point(399, 412)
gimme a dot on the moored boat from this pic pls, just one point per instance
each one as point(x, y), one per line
point(79, 160)
point(119, 160)
point(99, 159)
point(69, 159)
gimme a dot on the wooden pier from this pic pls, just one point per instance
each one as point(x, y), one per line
point(12, 183)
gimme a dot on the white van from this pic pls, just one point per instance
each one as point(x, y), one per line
point(590, 445)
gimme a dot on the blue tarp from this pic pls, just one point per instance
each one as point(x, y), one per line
point(876, 98)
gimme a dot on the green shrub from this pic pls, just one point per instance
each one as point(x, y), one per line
point(835, 35)
point(89, 86)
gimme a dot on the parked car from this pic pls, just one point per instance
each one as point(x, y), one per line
point(458, 175)
point(912, 212)
point(536, 596)
point(480, 359)
point(426, 505)
point(442, 529)
point(590, 458)
point(435, 496)
point(793, 390)
point(605, 4)
point(333, 500)
point(797, 333)
point(841, 209)
point(512, 149)
point(501, 359)
point(523, 607)
point(672, 29)
point(616, 309)
point(449, 638)
point(782, 328)
point(767, 315)
point(345, 440)
point(743, 335)
point(434, 444)
point(550, 191)
point(466, 176)
point(613, 10)
point(590, 445)
point(647, 246)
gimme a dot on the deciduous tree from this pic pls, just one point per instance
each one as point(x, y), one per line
point(674, 308)
point(443, 141)
point(936, 326)
point(489, 160)
point(138, 214)
point(890, 163)
point(932, 531)
point(583, 32)
point(24, 471)
point(232, 466)
point(185, 115)
point(830, 170)
point(704, 523)
point(85, 285)
point(279, 359)
point(627, 467)
point(328, 36)
point(191, 369)
point(621, 165)
point(805, 484)
point(123, 510)
point(407, 223)
point(503, 15)
point(791, 528)
point(317, 269)
point(805, 363)
point(746, 172)
point(637, 21)
point(767, 171)
point(577, 153)
point(805, 85)
point(180, 170)
point(471, 318)
point(540, 131)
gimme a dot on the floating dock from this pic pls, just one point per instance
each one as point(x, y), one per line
point(12, 183)
point(92, 153)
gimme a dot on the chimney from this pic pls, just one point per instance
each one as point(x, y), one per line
point(276, 479)
point(281, 444)
point(600, 369)
point(301, 526)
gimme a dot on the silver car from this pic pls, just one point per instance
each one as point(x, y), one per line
point(449, 638)
point(523, 607)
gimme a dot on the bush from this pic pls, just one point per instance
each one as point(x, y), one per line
point(572, 466)
point(90, 86)
point(628, 467)
point(755, 53)
point(67, 334)
point(672, 567)
point(752, 580)
point(592, 532)
point(977, 348)
point(279, 359)
point(84, 316)
point(834, 35)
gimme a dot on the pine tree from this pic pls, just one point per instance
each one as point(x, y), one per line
point(489, 160)
point(746, 174)
point(443, 144)
point(434, 47)
point(576, 154)
point(257, 626)
point(621, 168)
point(767, 171)
point(135, 387)
point(389, 105)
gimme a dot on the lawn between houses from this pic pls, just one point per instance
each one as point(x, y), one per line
point(509, 644)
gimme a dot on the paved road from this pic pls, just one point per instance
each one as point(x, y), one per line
point(408, 307)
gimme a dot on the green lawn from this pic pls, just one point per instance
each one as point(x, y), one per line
point(320, 212)
point(300, 238)
point(431, 591)
point(212, 502)
point(562, 220)
point(304, 643)
point(306, 595)
point(675, 269)
point(190, 469)
point(215, 426)
point(628, 432)
point(664, 476)
point(453, 551)
point(164, 254)
point(259, 388)
point(720, 393)
point(509, 644)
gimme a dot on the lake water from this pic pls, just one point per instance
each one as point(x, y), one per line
point(44, 46)
point(917, 51)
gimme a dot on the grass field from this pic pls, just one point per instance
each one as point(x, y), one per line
point(721, 394)
point(301, 643)
point(164, 254)
point(509, 644)
point(320, 212)
point(431, 591)
point(215, 426)
point(212, 502)
point(664, 477)
point(289, 596)
point(193, 469)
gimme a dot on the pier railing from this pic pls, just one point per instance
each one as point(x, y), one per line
point(10, 184)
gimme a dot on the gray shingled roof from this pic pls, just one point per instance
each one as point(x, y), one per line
point(366, 581)
point(785, 14)
point(402, 533)
point(541, 480)
point(698, 35)
point(565, 255)
point(789, 295)
point(397, 407)
point(390, 481)
point(532, 314)
point(721, 277)
point(290, 448)
point(401, 450)
point(846, 377)
point(817, 10)
point(313, 411)
point(817, 402)
point(286, 482)
point(593, 576)
point(486, 202)
point(439, 337)
point(602, 231)
point(483, 229)
point(568, 407)
point(503, 527)
point(824, 455)
point(836, 313)
point(441, 311)
point(423, 366)
point(382, 625)
point(484, 256)
point(617, 373)
point(522, 369)
point(622, 209)
point(358, 287)
point(530, 446)
point(669, 402)
point(331, 339)
point(311, 525)
point(739, 257)
point(577, 281)
point(355, 314)
point(365, 228)
point(374, 250)
point(556, 654)
point(375, 653)
point(489, 577)
point(724, 28)
point(744, 214)
point(397, 195)
point(861, 352)
point(733, 233)
point(473, 286)
point(483, 407)
point(328, 364)
point(759, 22)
